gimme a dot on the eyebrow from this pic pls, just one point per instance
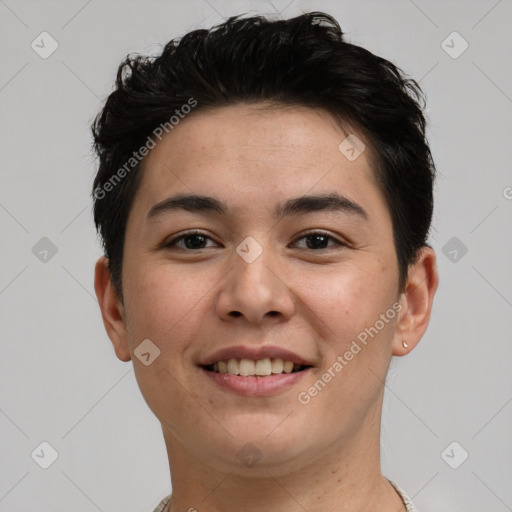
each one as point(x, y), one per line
point(296, 206)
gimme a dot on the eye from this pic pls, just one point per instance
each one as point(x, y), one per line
point(318, 239)
point(192, 240)
point(195, 240)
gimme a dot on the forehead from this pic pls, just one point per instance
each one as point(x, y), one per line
point(257, 154)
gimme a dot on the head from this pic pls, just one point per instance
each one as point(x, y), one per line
point(223, 134)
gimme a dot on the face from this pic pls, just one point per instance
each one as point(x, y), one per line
point(255, 271)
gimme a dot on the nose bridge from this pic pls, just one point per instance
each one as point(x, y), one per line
point(252, 268)
point(254, 288)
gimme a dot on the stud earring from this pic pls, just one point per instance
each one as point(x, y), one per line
point(404, 344)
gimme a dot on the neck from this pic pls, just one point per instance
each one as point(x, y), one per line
point(343, 478)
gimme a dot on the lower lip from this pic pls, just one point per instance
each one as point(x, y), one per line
point(255, 385)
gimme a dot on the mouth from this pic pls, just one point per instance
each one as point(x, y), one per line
point(255, 368)
point(254, 371)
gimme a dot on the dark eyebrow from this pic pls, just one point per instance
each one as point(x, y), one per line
point(190, 203)
point(315, 203)
point(299, 205)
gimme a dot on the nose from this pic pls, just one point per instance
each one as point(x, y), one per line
point(255, 290)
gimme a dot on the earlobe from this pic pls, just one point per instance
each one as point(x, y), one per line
point(112, 310)
point(416, 301)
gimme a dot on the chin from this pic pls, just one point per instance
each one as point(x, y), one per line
point(254, 450)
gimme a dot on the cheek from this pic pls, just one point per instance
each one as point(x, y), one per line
point(350, 304)
point(162, 303)
point(348, 300)
point(355, 349)
point(166, 306)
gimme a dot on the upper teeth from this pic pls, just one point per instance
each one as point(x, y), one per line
point(247, 367)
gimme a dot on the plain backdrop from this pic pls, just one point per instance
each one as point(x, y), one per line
point(448, 405)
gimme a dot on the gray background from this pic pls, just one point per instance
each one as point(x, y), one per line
point(59, 378)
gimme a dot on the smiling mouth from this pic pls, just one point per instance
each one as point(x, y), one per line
point(255, 368)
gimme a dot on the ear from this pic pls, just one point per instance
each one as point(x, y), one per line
point(416, 302)
point(112, 310)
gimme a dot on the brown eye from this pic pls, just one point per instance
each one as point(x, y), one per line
point(191, 241)
point(319, 240)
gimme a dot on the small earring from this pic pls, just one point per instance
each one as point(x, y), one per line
point(404, 344)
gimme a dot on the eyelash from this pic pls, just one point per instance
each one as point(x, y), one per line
point(178, 238)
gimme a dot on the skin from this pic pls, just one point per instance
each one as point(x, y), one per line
point(323, 455)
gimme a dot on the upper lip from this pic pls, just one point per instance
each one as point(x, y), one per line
point(251, 352)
